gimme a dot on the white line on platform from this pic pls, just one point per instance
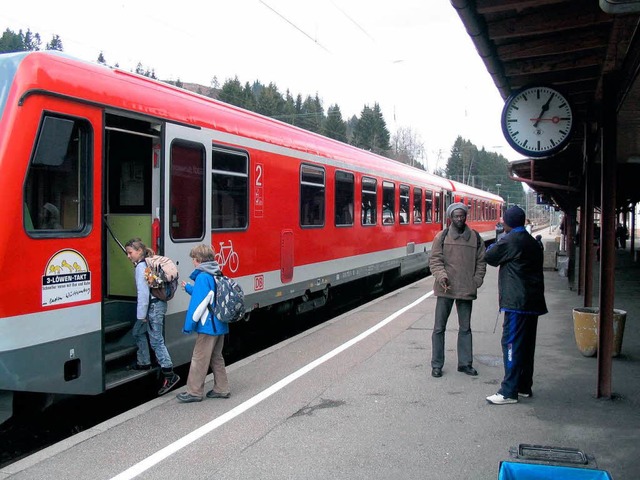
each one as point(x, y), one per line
point(169, 450)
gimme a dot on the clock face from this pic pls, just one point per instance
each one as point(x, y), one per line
point(537, 121)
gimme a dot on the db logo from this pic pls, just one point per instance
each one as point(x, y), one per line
point(258, 282)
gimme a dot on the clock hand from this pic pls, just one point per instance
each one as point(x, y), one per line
point(552, 119)
point(545, 107)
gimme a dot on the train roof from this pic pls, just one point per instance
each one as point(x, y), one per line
point(472, 191)
point(62, 75)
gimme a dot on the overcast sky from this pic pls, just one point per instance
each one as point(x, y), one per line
point(413, 57)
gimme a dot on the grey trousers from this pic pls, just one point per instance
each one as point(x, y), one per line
point(465, 347)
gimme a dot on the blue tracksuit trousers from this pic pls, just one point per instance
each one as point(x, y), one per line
point(518, 349)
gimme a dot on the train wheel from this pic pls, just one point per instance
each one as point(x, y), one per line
point(6, 405)
point(26, 403)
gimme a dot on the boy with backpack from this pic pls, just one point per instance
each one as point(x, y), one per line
point(207, 351)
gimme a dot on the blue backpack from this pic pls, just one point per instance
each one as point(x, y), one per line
point(229, 306)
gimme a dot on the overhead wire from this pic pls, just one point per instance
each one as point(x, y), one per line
point(294, 26)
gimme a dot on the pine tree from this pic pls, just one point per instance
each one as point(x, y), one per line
point(311, 114)
point(231, 92)
point(289, 109)
point(371, 131)
point(55, 44)
point(269, 101)
point(12, 42)
point(32, 41)
point(334, 126)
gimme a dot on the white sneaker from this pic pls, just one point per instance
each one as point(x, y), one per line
point(524, 395)
point(498, 399)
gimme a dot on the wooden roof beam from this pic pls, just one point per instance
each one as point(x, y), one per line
point(548, 21)
point(587, 39)
point(499, 6)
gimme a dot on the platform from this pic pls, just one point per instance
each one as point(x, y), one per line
point(354, 399)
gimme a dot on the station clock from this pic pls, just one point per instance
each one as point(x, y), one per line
point(537, 121)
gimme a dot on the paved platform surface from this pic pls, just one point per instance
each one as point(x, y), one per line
point(354, 399)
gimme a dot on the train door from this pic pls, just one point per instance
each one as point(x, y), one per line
point(183, 219)
point(448, 200)
point(186, 219)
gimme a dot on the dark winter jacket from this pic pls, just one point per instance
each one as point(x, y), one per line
point(460, 258)
point(521, 278)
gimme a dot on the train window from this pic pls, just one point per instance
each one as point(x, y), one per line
point(186, 191)
point(438, 205)
point(428, 206)
point(369, 201)
point(128, 172)
point(417, 205)
point(404, 204)
point(57, 188)
point(344, 193)
point(230, 191)
point(312, 193)
point(388, 203)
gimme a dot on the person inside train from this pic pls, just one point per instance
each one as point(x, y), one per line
point(345, 217)
point(458, 266)
point(50, 217)
point(417, 215)
point(387, 215)
point(150, 312)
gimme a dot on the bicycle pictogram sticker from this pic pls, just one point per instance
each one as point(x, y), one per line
point(227, 256)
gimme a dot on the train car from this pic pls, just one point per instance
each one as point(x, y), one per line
point(92, 156)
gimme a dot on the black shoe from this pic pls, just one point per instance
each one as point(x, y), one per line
point(212, 394)
point(185, 397)
point(436, 372)
point(469, 370)
point(137, 366)
point(168, 384)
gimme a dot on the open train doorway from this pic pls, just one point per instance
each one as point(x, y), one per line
point(132, 195)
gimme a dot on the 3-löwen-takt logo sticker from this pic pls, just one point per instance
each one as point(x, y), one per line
point(66, 279)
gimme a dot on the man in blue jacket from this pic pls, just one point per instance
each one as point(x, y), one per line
point(521, 298)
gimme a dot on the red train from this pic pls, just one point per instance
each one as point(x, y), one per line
point(89, 154)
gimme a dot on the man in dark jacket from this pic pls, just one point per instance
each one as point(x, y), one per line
point(458, 266)
point(521, 298)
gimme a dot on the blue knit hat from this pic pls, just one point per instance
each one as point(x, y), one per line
point(514, 217)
